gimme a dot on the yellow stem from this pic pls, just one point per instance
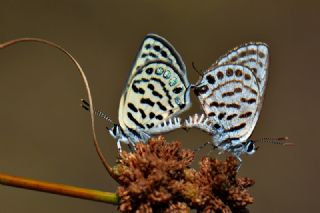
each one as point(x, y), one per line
point(60, 189)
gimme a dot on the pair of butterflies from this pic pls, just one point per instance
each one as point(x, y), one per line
point(230, 92)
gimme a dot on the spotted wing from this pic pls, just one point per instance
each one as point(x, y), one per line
point(230, 97)
point(156, 48)
point(157, 89)
point(255, 56)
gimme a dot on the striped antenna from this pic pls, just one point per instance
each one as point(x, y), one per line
point(85, 105)
point(201, 146)
point(194, 67)
point(280, 141)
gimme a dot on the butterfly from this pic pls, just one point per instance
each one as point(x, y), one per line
point(157, 90)
point(231, 93)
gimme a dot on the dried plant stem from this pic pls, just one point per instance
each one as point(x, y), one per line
point(60, 189)
point(84, 78)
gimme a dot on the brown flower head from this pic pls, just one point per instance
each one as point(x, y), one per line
point(157, 178)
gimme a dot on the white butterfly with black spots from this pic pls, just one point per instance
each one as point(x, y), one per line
point(157, 90)
point(231, 94)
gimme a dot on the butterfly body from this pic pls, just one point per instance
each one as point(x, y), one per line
point(231, 94)
point(157, 90)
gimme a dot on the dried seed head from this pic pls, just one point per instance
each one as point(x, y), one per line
point(157, 178)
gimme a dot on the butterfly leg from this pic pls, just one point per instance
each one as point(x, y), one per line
point(200, 122)
point(240, 162)
point(132, 146)
point(119, 146)
point(167, 126)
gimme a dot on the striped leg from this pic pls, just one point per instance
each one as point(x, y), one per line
point(167, 126)
point(199, 122)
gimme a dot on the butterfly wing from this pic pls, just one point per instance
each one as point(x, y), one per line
point(156, 48)
point(230, 97)
point(255, 56)
point(157, 89)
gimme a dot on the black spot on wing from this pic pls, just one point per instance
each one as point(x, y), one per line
point(221, 115)
point(164, 53)
point(216, 104)
point(156, 48)
point(147, 101)
point(249, 101)
point(181, 106)
point(236, 128)
point(217, 126)
point(231, 93)
point(159, 117)
point(137, 89)
point(177, 90)
point(230, 117)
point(233, 105)
point(162, 107)
point(130, 116)
point(211, 114)
point(149, 70)
point(164, 89)
point(143, 114)
point(245, 115)
point(153, 55)
point(151, 115)
point(155, 93)
point(141, 80)
point(227, 94)
point(132, 107)
point(210, 79)
point(150, 125)
point(151, 87)
point(253, 91)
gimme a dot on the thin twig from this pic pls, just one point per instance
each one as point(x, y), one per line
point(60, 189)
point(95, 141)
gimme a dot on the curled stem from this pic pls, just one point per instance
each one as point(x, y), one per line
point(79, 68)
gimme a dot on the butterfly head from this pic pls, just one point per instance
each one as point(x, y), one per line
point(203, 85)
point(200, 89)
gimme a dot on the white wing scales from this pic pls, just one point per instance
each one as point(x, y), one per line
point(231, 101)
point(153, 97)
point(156, 48)
point(157, 90)
point(255, 56)
point(231, 93)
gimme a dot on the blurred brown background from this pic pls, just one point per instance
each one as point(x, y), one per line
point(46, 135)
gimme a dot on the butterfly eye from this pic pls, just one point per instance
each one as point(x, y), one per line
point(200, 90)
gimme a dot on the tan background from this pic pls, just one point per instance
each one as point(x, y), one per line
point(46, 135)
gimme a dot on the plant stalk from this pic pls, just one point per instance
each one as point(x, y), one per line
point(60, 189)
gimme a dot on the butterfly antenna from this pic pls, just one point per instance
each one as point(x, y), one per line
point(280, 141)
point(194, 67)
point(201, 146)
point(85, 105)
point(211, 150)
